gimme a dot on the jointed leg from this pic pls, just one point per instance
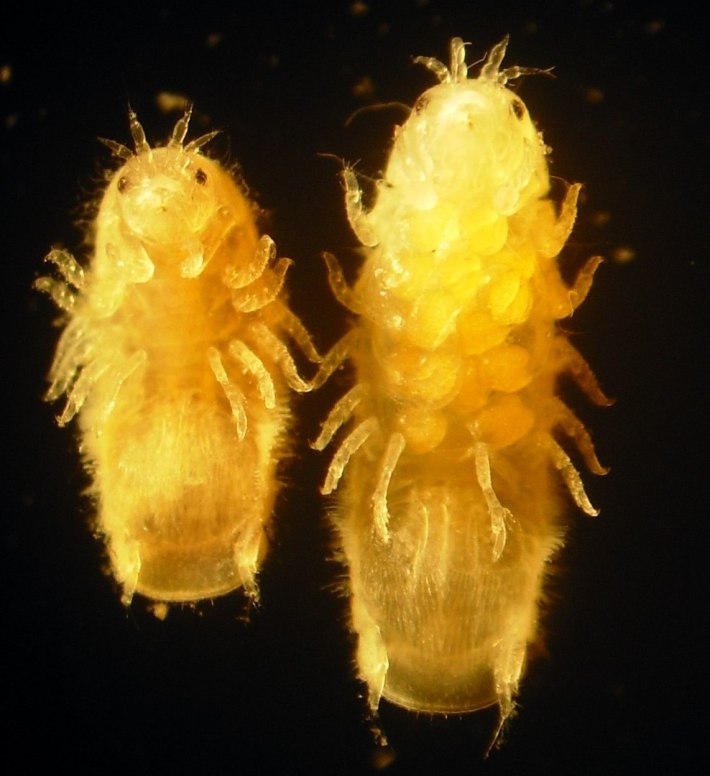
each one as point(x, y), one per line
point(395, 447)
point(245, 301)
point(571, 477)
point(498, 513)
point(340, 414)
point(349, 446)
point(233, 394)
point(251, 363)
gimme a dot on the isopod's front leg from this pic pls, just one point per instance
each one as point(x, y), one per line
point(252, 364)
point(576, 430)
point(278, 352)
point(574, 363)
point(263, 291)
point(372, 659)
point(338, 285)
point(358, 218)
point(562, 228)
point(292, 325)
point(133, 261)
point(583, 281)
point(348, 447)
point(236, 278)
point(340, 414)
point(336, 356)
point(246, 559)
point(570, 475)
point(63, 293)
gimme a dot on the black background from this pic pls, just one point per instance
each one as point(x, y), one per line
point(227, 689)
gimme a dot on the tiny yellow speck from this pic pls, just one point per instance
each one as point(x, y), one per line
point(623, 254)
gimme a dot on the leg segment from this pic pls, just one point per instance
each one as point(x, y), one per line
point(498, 513)
point(340, 414)
point(350, 445)
point(575, 430)
point(571, 477)
point(338, 285)
point(357, 216)
point(576, 365)
point(249, 301)
point(395, 447)
point(233, 394)
point(237, 278)
point(252, 364)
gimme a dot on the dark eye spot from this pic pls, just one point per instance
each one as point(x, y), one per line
point(518, 108)
point(201, 176)
point(122, 184)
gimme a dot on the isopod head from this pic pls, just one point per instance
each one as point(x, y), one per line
point(469, 135)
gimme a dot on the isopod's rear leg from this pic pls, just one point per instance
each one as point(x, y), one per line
point(563, 300)
point(246, 559)
point(571, 477)
point(574, 363)
point(233, 394)
point(395, 447)
point(119, 375)
point(349, 446)
point(334, 358)
point(81, 388)
point(278, 352)
point(114, 370)
point(372, 659)
point(507, 676)
point(340, 414)
point(583, 281)
point(73, 351)
point(576, 430)
point(500, 516)
point(293, 326)
point(252, 364)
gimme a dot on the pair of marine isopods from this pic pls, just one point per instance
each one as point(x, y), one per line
point(174, 358)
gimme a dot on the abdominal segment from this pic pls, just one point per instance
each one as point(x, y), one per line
point(443, 624)
point(183, 502)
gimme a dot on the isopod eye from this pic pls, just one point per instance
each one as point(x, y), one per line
point(122, 184)
point(201, 176)
point(518, 108)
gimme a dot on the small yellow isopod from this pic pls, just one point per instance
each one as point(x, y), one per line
point(448, 503)
point(173, 357)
